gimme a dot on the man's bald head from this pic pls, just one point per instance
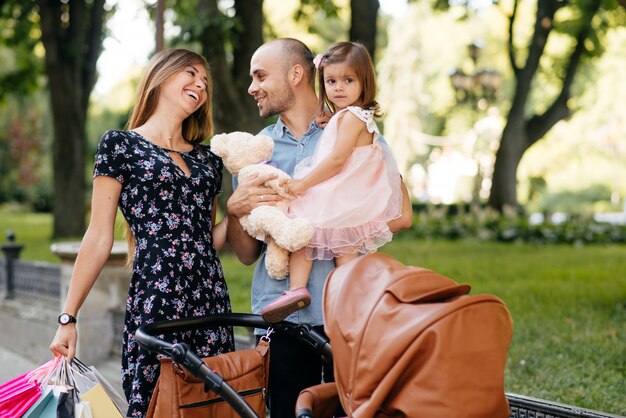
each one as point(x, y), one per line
point(294, 52)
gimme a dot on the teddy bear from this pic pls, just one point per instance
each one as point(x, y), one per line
point(244, 155)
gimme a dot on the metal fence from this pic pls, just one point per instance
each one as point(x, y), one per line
point(37, 280)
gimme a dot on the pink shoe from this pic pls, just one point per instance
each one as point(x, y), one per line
point(286, 304)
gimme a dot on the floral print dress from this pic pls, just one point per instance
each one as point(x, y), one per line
point(176, 271)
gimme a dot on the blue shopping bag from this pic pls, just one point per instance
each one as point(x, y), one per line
point(45, 407)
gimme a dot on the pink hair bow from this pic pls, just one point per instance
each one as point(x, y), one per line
point(317, 61)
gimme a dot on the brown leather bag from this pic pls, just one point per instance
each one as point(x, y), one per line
point(410, 342)
point(179, 394)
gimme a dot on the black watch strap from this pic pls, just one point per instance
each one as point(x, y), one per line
point(66, 318)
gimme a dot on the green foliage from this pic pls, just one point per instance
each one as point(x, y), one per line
point(478, 224)
point(194, 21)
point(573, 201)
point(24, 152)
point(307, 8)
point(315, 15)
point(21, 58)
point(316, 23)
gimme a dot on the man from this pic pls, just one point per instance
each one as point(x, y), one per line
point(283, 84)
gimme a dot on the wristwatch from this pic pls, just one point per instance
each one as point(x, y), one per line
point(66, 318)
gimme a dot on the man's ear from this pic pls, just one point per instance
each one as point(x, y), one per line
point(296, 74)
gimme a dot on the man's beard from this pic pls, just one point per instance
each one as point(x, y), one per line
point(280, 102)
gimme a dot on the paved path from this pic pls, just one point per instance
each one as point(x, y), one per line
point(12, 365)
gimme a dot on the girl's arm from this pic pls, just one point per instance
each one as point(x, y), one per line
point(406, 219)
point(219, 230)
point(95, 249)
point(350, 129)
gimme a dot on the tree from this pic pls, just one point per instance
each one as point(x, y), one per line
point(72, 37)
point(20, 67)
point(71, 34)
point(363, 23)
point(585, 22)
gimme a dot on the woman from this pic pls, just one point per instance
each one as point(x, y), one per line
point(166, 185)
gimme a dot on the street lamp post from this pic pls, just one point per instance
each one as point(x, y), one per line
point(478, 87)
point(11, 252)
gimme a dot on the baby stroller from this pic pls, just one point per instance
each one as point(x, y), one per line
point(406, 342)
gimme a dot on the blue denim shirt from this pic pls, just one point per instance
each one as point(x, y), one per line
point(288, 152)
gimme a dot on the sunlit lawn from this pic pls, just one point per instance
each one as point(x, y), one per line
point(567, 303)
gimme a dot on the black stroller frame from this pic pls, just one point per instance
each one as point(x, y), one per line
point(521, 406)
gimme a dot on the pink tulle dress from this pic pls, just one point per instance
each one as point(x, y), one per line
point(350, 211)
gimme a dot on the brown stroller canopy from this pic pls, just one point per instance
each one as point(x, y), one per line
point(408, 342)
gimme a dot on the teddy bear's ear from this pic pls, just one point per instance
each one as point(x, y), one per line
point(219, 145)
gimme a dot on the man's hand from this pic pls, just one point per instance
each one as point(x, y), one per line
point(251, 194)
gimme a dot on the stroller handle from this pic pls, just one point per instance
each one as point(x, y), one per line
point(145, 335)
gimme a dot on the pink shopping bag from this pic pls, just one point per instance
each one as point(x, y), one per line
point(19, 394)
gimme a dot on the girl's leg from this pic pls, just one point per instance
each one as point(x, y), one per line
point(297, 297)
point(345, 259)
point(299, 269)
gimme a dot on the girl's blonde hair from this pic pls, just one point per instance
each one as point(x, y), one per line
point(356, 56)
point(196, 127)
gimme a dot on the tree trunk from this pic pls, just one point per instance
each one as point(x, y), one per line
point(233, 108)
point(72, 38)
point(363, 23)
point(514, 140)
point(504, 183)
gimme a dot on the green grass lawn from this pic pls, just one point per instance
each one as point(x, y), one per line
point(568, 305)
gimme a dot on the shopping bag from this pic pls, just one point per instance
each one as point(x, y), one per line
point(87, 378)
point(119, 400)
point(46, 405)
point(23, 396)
point(82, 410)
point(100, 403)
point(66, 404)
point(19, 394)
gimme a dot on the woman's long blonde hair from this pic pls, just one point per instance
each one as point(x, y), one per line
point(196, 127)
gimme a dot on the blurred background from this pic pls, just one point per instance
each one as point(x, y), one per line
point(492, 104)
point(506, 118)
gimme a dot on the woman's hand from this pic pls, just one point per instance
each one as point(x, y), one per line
point(64, 343)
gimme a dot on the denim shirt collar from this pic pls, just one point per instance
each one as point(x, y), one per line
point(280, 129)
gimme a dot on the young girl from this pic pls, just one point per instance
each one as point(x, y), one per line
point(350, 189)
